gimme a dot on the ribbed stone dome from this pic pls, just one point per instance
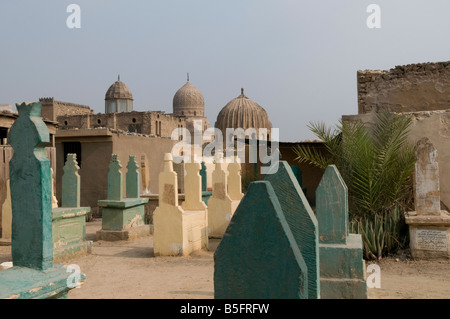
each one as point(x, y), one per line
point(118, 90)
point(188, 101)
point(244, 113)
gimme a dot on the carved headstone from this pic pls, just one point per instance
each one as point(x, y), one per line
point(340, 253)
point(332, 207)
point(33, 274)
point(115, 186)
point(30, 170)
point(71, 182)
point(133, 179)
point(204, 176)
point(69, 220)
point(206, 194)
point(193, 187)
point(429, 226)
point(178, 231)
point(427, 194)
point(235, 180)
point(7, 214)
point(220, 206)
point(168, 183)
point(258, 257)
point(301, 220)
point(145, 175)
point(123, 218)
point(54, 200)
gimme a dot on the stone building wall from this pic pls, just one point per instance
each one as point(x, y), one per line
point(407, 88)
point(148, 122)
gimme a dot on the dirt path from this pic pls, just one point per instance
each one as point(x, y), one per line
point(128, 270)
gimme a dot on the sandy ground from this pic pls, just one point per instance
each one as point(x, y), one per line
point(128, 270)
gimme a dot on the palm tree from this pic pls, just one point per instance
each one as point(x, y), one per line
point(375, 160)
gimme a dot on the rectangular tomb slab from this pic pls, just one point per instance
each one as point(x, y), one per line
point(429, 236)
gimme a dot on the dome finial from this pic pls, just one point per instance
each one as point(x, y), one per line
point(242, 91)
point(188, 77)
point(118, 77)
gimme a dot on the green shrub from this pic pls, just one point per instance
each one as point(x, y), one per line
point(376, 161)
point(381, 234)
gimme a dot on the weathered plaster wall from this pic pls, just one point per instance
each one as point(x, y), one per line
point(154, 148)
point(97, 146)
point(407, 88)
point(96, 153)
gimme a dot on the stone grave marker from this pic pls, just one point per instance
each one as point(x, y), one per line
point(69, 220)
point(145, 175)
point(301, 220)
point(235, 180)
point(71, 182)
point(220, 206)
point(429, 226)
point(133, 179)
point(115, 185)
point(176, 231)
point(206, 194)
point(195, 210)
point(123, 218)
point(167, 217)
point(193, 187)
point(204, 176)
point(54, 200)
point(33, 274)
point(340, 253)
point(258, 257)
point(7, 216)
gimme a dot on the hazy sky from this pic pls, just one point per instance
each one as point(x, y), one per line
point(297, 59)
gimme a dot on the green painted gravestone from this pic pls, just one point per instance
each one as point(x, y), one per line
point(33, 274)
point(341, 253)
point(69, 220)
point(133, 179)
point(301, 220)
point(204, 177)
point(205, 193)
point(123, 218)
point(298, 174)
point(258, 257)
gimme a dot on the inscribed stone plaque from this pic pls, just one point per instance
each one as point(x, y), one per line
point(169, 194)
point(430, 239)
point(219, 191)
